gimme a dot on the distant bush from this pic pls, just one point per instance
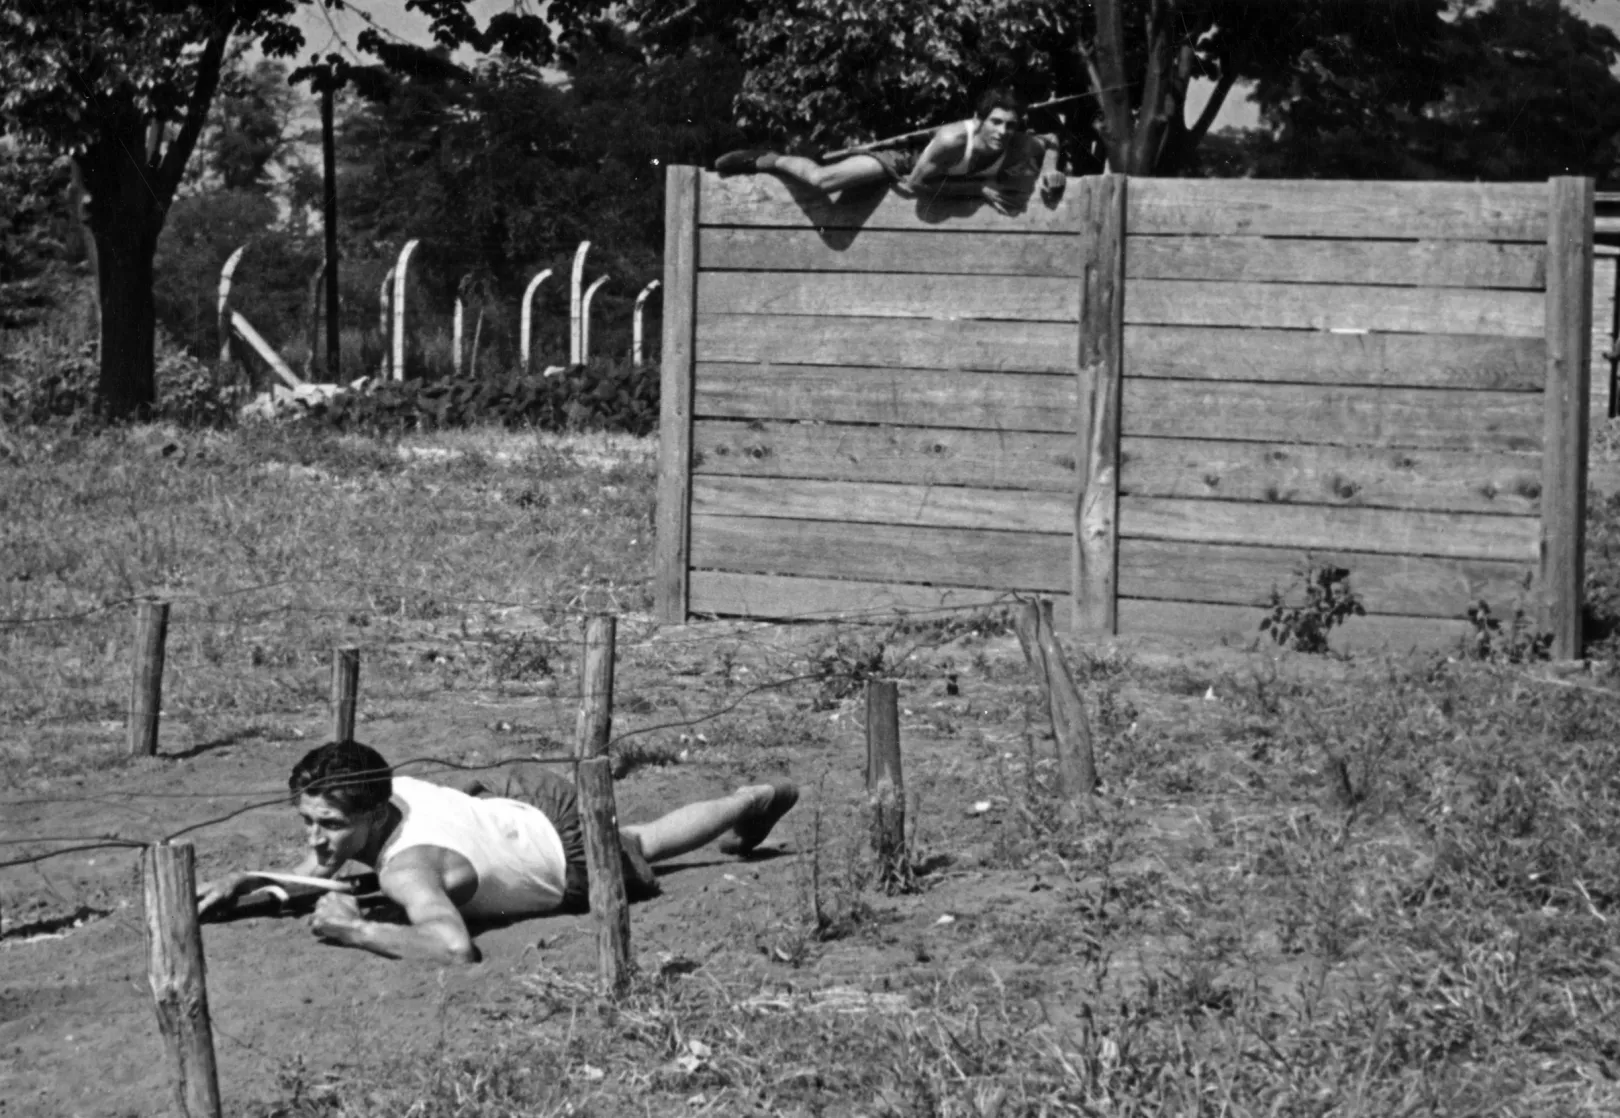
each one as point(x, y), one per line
point(50, 377)
point(605, 396)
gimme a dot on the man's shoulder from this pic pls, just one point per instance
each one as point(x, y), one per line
point(953, 134)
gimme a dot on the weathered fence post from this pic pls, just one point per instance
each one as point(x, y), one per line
point(594, 782)
point(596, 687)
point(177, 976)
point(637, 330)
point(609, 905)
point(345, 691)
point(585, 318)
point(885, 784)
point(146, 686)
point(574, 304)
point(401, 274)
point(526, 318)
point(1569, 372)
point(1077, 766)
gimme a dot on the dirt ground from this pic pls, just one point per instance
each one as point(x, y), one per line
point(77, 1026)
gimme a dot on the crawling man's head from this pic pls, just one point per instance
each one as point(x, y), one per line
point(342, 791)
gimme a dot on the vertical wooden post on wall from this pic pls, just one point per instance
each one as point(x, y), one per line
point(1100, 367)
point(675, 421)
point(1569, 373)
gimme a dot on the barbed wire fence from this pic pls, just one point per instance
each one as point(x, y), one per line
point(847, 648)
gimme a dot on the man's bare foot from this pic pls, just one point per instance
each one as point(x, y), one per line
point(757, 827)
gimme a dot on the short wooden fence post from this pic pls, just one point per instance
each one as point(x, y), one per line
point(146, 688)
point(596, 687)
point(609, 906)
point(885, 784)
point(1077, 765)
point(176, 973)
point(345, 691)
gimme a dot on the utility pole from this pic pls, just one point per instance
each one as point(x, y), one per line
point(334, 359)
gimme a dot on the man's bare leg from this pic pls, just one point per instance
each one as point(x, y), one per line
point(856, 170)
point(751, 811)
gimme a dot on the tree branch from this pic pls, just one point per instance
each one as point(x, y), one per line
point(1113, 89)
point(209, 65)
point(1223, 86)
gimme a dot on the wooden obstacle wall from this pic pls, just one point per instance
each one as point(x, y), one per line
point(1156, 398)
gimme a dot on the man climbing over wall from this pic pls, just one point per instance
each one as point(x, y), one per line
point(989, 156)
point(443, 854)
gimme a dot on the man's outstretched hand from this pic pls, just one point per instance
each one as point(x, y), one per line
point(1001, 200)
point(220, 894)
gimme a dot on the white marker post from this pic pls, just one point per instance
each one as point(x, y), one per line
point(576, 334)
point(636, 331)
point(224, 312)
point(455, 325)
point(585, 319)
point(383, 318)
point(400, 275)
point(526, 330)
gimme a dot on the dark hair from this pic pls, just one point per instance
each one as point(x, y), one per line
point(1001, 97)
point(351, 775)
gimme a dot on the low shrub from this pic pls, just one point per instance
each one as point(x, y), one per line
point(605, 396)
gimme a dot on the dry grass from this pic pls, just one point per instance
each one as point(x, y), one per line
point(436, 555)
point(1385, 886)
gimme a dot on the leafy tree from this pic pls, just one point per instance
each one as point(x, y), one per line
point(125, 87)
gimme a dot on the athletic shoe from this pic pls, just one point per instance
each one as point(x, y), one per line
point(753, 830)
point(740, 162)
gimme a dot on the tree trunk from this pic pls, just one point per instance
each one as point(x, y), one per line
point(125, 219)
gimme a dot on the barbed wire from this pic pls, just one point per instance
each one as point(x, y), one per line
point(261, 798)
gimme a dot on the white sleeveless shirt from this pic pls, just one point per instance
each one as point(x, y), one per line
point(512, 845)
point(960, 171)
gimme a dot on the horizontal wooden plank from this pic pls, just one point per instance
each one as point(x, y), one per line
point(913, 397)
point(1335, 306)
point(935, 251)
point(1035, 347)
point(1432, 418)
point(1292, 473)
point(935, 506)
point(882, 552)
point(885, 295)
point(1458, 535)
point(910, 455)
point(753, 200)
point(779, 596)
point(1473, 264)
point(1244, 575)
point(1326, 208)
point(1319, 357)
point(1206, 623)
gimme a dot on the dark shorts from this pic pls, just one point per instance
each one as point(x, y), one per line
point(898, 162)
point(554, 795)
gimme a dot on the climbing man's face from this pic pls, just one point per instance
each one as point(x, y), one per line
point(995, 128)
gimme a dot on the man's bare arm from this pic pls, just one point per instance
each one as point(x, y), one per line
point(222, 892)
point(944, 151)
point(415, 880)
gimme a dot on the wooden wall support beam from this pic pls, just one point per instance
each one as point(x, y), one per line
point(1569, 356)
point(1100, 369)
point(675, 421)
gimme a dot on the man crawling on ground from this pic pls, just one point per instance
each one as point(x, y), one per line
point(989, 156)
point(444, 855)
